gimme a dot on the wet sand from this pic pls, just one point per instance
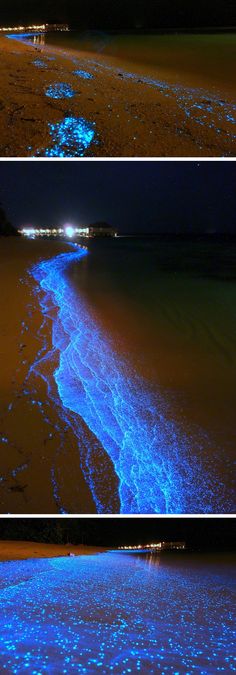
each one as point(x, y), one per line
point(21, 550)
point(194, 59)
point(122, 110)
point(35, 470)
point(116, 613)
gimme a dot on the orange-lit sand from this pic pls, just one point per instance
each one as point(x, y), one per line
point(130, 117)
point(20, 550)
point(32, 446)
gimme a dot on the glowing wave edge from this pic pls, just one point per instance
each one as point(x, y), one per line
point(157, 464)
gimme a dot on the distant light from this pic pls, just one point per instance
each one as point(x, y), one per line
point(28, 231)
point(69, 231)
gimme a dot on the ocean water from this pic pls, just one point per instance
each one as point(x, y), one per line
point(117, 613)
point(198, 59)
point(145, 334)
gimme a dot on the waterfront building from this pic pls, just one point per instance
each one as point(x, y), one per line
point(69, 231)
point(159, 546)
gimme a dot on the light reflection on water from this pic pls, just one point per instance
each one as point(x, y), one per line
point(114, 613)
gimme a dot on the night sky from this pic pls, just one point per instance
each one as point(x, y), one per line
point(122, 13)
point(145, 196)
point(199, 533)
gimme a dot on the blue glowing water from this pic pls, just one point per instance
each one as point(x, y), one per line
point(159, 466)
point(71, 137)
point(113, 613)
point(60, 90)
point(84, 74)
point(19, 36)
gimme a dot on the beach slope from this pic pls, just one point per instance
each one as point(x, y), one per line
point(21, 550)
point(60, 103)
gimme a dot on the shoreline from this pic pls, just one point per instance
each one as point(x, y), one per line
point(196, 56)
point(112, 111)
point(54, 367)
point(27, 550)
point(120, 442)
point(71, 392)
point(33, 436)
point(103, 613)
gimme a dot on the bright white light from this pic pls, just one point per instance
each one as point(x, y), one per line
point(69, 231)
point(28, 231)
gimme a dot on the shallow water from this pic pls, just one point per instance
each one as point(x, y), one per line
point(187, 58)
point(117, 613)
point(146, 337)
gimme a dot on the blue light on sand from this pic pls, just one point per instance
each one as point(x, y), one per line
point(60, 90)
point(71, 137)
point(39, 63)
point(204, 108)
point(159, 466)
point(84, 74)
point(113, 613)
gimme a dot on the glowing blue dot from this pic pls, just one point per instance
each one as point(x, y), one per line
point(39, 63)
point(60, 90)
point(84, 74)
point(71, 137)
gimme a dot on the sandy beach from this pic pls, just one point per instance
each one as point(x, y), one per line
point(21, 550)
point(111, 108)
point(33, 438)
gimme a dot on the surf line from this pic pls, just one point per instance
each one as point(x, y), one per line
point(157, 468)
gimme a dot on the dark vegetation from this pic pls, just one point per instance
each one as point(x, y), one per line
point(123, 14)
point(6, 228)
point(200, 534)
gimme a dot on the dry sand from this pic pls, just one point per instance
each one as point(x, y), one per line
point(38, 451)
point(21, 550)
point(131, 117)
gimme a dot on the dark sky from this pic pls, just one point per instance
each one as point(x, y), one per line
point(199, 533)
point(144, 196)
point(122, 13)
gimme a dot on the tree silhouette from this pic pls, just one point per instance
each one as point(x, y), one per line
point(100, 224)
point(6, 228)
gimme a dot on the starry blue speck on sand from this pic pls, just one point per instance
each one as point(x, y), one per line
point(84, 74)
point(60, 90)
point(70, 138)
point(116, 613)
